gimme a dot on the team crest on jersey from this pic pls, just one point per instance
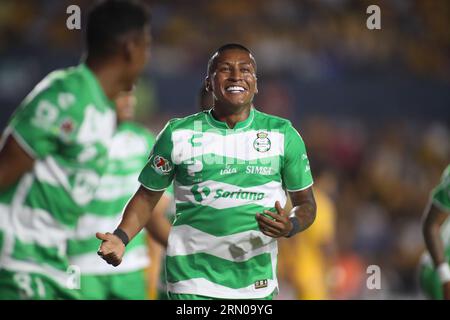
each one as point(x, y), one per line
point(262, 142)
point(161, 165)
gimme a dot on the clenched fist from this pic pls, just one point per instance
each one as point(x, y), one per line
point(112, 248)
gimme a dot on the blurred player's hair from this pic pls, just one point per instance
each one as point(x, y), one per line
point(229, 46)
point(109, 20)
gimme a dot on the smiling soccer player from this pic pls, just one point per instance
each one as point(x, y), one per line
point(223, 243)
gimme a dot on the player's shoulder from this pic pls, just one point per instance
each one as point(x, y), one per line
point(187, 122)
point(271, 121)
point(57, 86)
point(67, 78)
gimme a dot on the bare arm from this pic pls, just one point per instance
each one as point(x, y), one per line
point(136, 215)
point(14, 162)
point(304, 210)
point(139, 211)
point(304, 207)
point(159, 226)
point(432, 221)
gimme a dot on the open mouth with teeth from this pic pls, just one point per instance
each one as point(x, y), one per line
point(235, 89)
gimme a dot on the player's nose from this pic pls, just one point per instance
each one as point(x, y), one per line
point(235, 74)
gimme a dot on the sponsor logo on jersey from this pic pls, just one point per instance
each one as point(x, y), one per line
point(228, 170)
point(262, 142)
point(194, 140)
point(201, 194)
point(161, 165)
point(239, 195)
point(259, 170)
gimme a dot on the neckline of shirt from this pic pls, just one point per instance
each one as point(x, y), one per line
point(223, 125)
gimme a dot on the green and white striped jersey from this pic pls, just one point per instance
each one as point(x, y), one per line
point(127, 156)
point(65, 124)
point(222, 178)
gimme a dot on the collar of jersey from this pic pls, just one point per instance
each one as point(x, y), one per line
point(95, 86)
point(223, 125)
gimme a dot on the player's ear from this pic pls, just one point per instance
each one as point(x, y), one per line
point(127, 50)
point(256, 85)
point(130, 47)
point(208, 84)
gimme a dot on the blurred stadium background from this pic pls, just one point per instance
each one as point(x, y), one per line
point(372, 106)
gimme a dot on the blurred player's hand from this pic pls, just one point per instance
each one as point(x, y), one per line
point(112, 248)
point(279, 226)
point(446, 288)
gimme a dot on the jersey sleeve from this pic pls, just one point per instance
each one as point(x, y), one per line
point(158, 173)
point(296, 173)
point(36, 124)
point(441, 193)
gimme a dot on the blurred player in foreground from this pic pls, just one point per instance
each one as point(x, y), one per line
point(55, 152)
point(230, 166)
point(128, 154)
point(434, 269)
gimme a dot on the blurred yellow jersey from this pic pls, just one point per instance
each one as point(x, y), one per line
point(303, 258)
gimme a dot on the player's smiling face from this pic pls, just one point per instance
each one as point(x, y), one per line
point(233, 79)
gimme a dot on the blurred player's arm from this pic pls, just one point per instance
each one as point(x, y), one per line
point(14, 162)
point(137, 215)
point(30, 135)
point(432, 222)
